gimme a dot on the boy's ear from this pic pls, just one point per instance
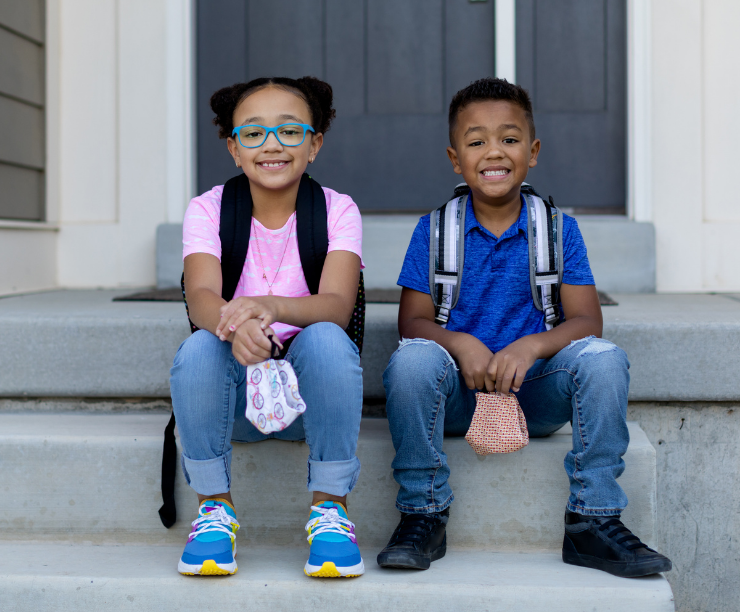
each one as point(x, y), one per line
point(452, 154)
point(534, 152)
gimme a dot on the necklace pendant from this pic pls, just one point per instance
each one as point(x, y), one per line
point(269, 292)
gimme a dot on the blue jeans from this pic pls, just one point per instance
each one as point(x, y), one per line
point(586, 383)
point(208, 396)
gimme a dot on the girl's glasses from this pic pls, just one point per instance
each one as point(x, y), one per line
point(288, 134)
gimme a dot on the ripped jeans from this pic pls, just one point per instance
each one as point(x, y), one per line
point(586, 383)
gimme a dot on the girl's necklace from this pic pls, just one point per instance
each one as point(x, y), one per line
point(259, 252)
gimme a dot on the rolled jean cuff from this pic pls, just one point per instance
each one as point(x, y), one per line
point(208, 476)
point(593, 511)
point(333, 477)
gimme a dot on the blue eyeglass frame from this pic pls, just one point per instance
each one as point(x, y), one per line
point(306, 128)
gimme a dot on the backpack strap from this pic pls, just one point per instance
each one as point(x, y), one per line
point(311, 230)
point(447, 254)
point(234, 229)
point(545, 237)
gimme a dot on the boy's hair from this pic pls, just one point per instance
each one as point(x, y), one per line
point(316, 93)
point(490, 89)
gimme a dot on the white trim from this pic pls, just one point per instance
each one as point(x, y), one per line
point(639, 106)
point(28, 225)
point(506, 40)
point(52, 112)
point(180, 120)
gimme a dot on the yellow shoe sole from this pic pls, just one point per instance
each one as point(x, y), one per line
point(329, 570)
point(210, 568)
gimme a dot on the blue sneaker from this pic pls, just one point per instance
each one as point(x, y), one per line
point(211, 546)
point(334, 552)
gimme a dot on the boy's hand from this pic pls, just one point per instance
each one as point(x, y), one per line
point(507, 368)
point(243, 309)
point(250, 344)
point(473, 358)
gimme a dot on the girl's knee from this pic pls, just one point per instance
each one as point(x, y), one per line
point(327, 341)
point(199, 353)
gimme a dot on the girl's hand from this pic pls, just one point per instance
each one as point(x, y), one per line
point(242, 309)
point(250, 343)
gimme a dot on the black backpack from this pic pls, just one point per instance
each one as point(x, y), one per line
point(234, 231)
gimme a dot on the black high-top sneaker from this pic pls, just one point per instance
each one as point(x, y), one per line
point(418, 540)
point(604, 543)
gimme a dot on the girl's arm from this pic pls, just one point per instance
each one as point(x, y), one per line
point(334, 302)
point(203, 292)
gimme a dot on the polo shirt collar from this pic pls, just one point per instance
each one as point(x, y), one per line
point(519, 226)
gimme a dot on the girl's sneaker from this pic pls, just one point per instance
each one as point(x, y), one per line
point(211, 546)
point(334, 552)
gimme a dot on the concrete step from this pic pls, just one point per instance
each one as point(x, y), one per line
point(621, 252)
point(96, 478)
point(64, 578)
point(81, 344)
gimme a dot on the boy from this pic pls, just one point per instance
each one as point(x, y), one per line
point(495, 339)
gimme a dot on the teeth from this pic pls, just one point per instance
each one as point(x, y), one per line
point(273, 165)
point(495, 172)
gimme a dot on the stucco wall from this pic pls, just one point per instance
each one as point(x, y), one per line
point(698, 518)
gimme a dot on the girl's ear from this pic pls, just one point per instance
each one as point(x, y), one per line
point(316, 141)
point(234, 150)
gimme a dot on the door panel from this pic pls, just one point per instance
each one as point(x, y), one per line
point(393, 65)
point(571, 57)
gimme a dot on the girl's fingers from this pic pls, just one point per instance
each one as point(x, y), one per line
point(238, 319)
point(266, 322)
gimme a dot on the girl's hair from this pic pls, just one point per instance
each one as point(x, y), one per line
point(315, 93)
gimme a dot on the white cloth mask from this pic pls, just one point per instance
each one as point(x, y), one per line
point(273, 399)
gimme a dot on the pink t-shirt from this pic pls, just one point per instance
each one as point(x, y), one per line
point(200, 235)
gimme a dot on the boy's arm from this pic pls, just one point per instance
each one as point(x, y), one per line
point(416, 320)
point(582, 318)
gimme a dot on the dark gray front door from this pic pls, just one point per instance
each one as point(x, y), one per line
point(393, 64)
point(571, 55)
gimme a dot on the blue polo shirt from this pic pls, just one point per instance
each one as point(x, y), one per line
point(495, 303)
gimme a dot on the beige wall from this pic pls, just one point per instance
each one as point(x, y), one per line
point(28, 259)
point(694, 143)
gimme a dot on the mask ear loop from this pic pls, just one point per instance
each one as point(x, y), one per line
point(274, 350)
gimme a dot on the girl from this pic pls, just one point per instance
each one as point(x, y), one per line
point(274, 127)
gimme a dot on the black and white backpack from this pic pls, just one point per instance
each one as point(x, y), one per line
point(447, 253)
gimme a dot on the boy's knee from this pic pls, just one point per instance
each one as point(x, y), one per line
point(600, 355)
point(414, 360)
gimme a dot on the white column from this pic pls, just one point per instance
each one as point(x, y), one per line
point(506, 40)
point(639, 109)
point(180, 125)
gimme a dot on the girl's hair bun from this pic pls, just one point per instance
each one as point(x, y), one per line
point(320, 98)
point(317, 94)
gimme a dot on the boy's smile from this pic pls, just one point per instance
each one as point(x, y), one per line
point(493, 150)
